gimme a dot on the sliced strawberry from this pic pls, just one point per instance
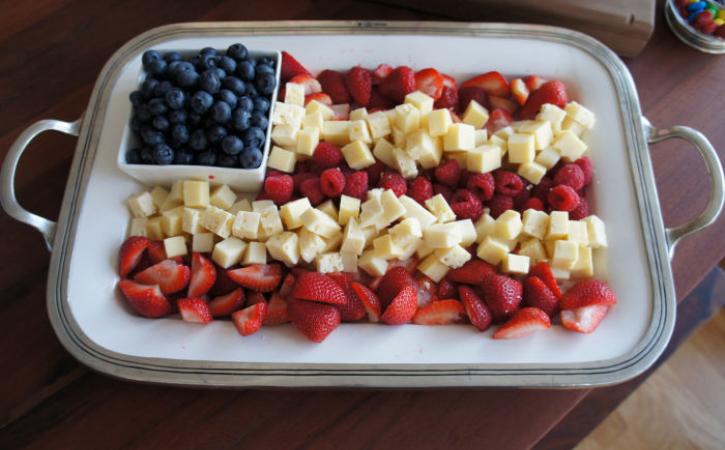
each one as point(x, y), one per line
point(588, 292)
point(427, 290)
point(223, 284)
point(553, 92)
point(319, 287)
point(276, 311)
point(254, 297)
point(377, 101)
point(340, 111)
point(533, 82)
point(492, 82)
point(503, 103)
point(502, 295)
point(449, 81)
point(543, 271)
point(440, 312)
point(430, 82)
point(519, 91)
point(249, 320)
point(320, 97)
point(194, 310)
point(524, 322)
point(394, 280)
point(203, 275)
point(130, 254)
point(402, 309)
point(333, 84)
point(168, 274)
point(257, 277)
point(448, 98)
point(315, 320)
point(410, 264)
point(369, 300)
point(146, 300)
point(466, 94)
point(228, 303)
point(398, 84)
point(380, 73)
point(498, 119)
point(156, 252)
point(291, 67)
point(475, 271)
point(476, 309)
point(585, 319)
point(353, 310)
point(310, 83)
point(538, 295)
point(447, 289)
point(287, 285)
point(359, 82)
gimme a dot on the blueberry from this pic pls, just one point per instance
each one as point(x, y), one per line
point(161, 123)
point(136, 124)
point(194, 119)
point(208, 122)
point(241, 119)
point(162, 154)
point(264, 69)
point(162, 88)
point(225, 160)
point(216, 133)
point(148, 87)
point(186, 78)
point(152, 137)
point(136, 98)
point(210, 82)
point(253, 137)
point(149, 57)
point(266, 84)
point(179, 134)
point(172, 69)
point(221, 112)
point(196, 61)
point(183, 156)
point(251, 158)
point(259, 120)
point(210, 51)
point(245, 70)
point(227, 64)
point(197, 140)
point(266, 60)
point(133, 156)
point(157, 106)
point(261, 104)
point(232, 145)
point(177, 116)
point(207, 158)
point(157, 67)
point(246, 103)
point(207, 62)
point(234, 84)
point(170, 57)
point(238, 52)
point(147, 156)
point(227, 97)
point(174, 98)
point(250, 89)
point(201, 101)
point(185, 66)
point(143, 113)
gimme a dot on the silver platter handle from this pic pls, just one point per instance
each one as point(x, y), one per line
point(714, 168)
point(7, 175)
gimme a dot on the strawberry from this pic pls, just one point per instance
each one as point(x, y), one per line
point(430, 82)
point(156, 252)
point(533, 82)
point(320, 97)
point(254, 297)
point(228, 303)
point(340, 111)
point(402, 308)
point(369, 300)
point(475, 271)
point(249, 320)
point(380, 73)
point(519, 91)
point(447, 289)
point(287, 285)
point(440, 312)
point(146, 300)
point(168, 274)
point(257, 277)
point(499, 118)
point(394, 280)
point(379, 102)
point(315, 286)
point(130, 254)
point(502, 295)
point(353, 310)
point(427, 289)
point(315, 320)
point(543, 271)
point(360, 84)
point(223, 284)
point(276, 311)
point(448, 98)
point(502, 103)
point(492, 82)
point(524, 322)
point(553, 92)
point(449, 81)
point(477, 311)
point(588, 292)
point(466, 94)
point(291, 67)
point(585, 319)
point(538, 295)
point(194, 310)
point(333, 84)
point(203, 275)
point(398, 84)
point(311, 85)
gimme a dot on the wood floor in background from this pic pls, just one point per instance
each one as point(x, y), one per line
point(681, 406)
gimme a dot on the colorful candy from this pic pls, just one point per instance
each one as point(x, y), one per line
point(708, 17)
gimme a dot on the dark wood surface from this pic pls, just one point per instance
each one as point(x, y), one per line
point(50, 53)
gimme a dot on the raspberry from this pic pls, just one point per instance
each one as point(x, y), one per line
point(466, 205)
point(500, 203)
point(327, 155)
point(570, 175)
point(299, 177)
point(374, 172)
point(420, 189)
point(356, 185)
point(332, 182)
point(541, 190)
point(447, 289)
point(585, 164)
point(444, 190)
point(394, 181)
point(482, 184)
point(507, 183)
point(448, 173)
point(273, 173)
point(533, 203)
point(580, 211)
point(521, 198)
point(563, 198)
point(311, 189)
point(279, 188)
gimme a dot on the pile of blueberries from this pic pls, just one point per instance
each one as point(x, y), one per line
point(211, 109)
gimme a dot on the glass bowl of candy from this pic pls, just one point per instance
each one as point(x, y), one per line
point(698, 23)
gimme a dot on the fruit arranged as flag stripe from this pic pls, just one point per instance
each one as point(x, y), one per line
point(258, 277)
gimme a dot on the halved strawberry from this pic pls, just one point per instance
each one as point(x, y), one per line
point(377, 101)
point(398, 84)
point(538, 295)
point(448, 98)
point(315, 286)
point(427, 290)
point(585, 319)
point(492, 82)
point(287, 285)
point(291, 67)
point(223, 284)
point(503, 103)
point(310, 83)
point(553, 92)
point(228, 303)
point(402, 309)
point(394, 280)
point(249, 320)
point(315, 320)
point(466, 94)
point(533, 82)
point(352, 310)
point(449, 81)
point(477, 311)
point(203, 275)
point(320, 97)
point(588, 292)
point(156, 252)
point(502, 295)
point(474, 272)
point(498, 119)
point(340, 111)
point(146, 300)
point(257, 277)
point(524, 322)
point(333, 84)
point(519, 91)
point(543, 271)
point(369, 300)
point(276, 311)
point(359, 84)
point(380, 73)
point(430, 82)
point(440, 312)
point(254, 297)
point(194, 310)
point(168, 274)
point(447, 289)
point(130, 254)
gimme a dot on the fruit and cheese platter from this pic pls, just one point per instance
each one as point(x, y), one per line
point(259, 209)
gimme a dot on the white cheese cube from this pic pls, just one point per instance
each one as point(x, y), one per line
point(269, 223)
point(498, 142)
point(315, 107)
point(569, 146)
point(262, 205)
point(535, 223)
point(583, 267)
point(246, 225)
point(542, 132)
point(492, 250)
point(329, 262)
point(158, 195)
point(175, 246)
point(439, 121)
point(459, 138)
point(552, 114)
point(310, 245)
point(349, 208)
point(202, 243)
point(424, 250)
point(580, 114)
point(349, 262)
point(407, 118)
point(392, 208)
point(386, 248)
point(485, 158)
point(373, 264)
point(560, 274)
point(399, 137)
point(378, 124)
point(408, 227)
point(534, 249)
point(475, 115)
point(442, 235)
point(313, 121)
point(291, 212)
point(422, 102)
point(578, 232)
point(453, 257)
point(222, 197)
point(573, 126)
point(137, 227)
point(508, 225)
point(307, 141)
point(596, 232)
point(408, 245)
point(548, 157)
point(256, 254)
point(383, 151)
point(358, 114)
point(358, 131)
point(415, 210)
point(336, 131)
point(353, 239)
point(468, 231)
point(480, 137)
point(228, 252)
point(241, 205)
point(329, 208)
point(196, 194)
point(281, 159)
point(358, 155)
point(171, 221)
point(532, 171)
point(404, 164)
point(420, 145)
point(217, 221)
point(439, 207)
point(521, 148)
point(565, 254)
point(516, 264)
point(558, 225)
point(294, 94)
point(287, 114)
point(433, 268)
point(154, 230)
point(284, 247)
point(370, 212)
point(504, 133)
point(142, 205)
point(485, 226)
point(320, 223)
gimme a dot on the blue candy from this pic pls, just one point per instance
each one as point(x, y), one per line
point(696, 7)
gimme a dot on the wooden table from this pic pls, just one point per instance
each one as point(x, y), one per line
point(50, 53)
